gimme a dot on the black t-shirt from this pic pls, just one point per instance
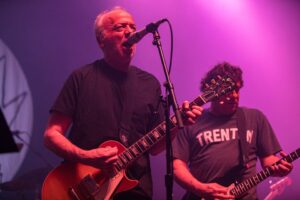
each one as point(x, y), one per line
point(96, 96)
point(211, 147)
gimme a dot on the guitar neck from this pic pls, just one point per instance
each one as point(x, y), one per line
point(246, 185)
point(216, 89)
point(153, 137)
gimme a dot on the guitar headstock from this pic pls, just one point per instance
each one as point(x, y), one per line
point(218, 87)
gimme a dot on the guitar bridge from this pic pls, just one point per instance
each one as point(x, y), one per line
point(88, 189)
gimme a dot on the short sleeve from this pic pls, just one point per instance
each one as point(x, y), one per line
point(181, 145)
point(267, 140)
point(66, 101)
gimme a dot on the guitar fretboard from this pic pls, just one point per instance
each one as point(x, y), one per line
point(246, 185)
point(156, 135)
point(150, 139)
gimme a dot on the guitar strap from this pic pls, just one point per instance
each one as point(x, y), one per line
point(244, 146)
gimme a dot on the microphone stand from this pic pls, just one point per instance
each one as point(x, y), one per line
point(170, 100)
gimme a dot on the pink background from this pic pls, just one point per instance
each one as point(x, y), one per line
point(51, 38)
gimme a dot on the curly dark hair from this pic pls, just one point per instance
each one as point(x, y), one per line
point(223, 69)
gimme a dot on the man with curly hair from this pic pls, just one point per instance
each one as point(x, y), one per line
point(208, 155)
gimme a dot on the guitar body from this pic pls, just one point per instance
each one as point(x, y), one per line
point(67, 176)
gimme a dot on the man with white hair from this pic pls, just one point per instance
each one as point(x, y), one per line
point(110, 99)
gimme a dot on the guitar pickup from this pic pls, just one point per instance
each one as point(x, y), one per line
point(88, 188)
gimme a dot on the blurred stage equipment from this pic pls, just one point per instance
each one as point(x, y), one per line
point(7, 143)
point(17, 110)
point(277, 188)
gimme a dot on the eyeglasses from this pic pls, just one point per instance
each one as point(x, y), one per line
point(122, 26)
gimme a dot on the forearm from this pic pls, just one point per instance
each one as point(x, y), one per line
point(62, 147)
point(190, 183)
point(55, 140)
point(185, 179)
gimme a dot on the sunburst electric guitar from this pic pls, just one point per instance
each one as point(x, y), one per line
point(76, 181)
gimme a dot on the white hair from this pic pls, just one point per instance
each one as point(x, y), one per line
point(101, 19)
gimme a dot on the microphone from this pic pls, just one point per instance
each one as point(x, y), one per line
point(138, 35)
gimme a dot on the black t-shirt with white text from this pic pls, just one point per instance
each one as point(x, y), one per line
point(211, 147)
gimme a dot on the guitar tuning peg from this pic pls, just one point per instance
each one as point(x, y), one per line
point(230, 81)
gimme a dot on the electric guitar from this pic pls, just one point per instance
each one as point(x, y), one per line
point(278, 187)
point(76, 181)
point(241, 188)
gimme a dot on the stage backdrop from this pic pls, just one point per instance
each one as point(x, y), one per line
point(52, 38)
